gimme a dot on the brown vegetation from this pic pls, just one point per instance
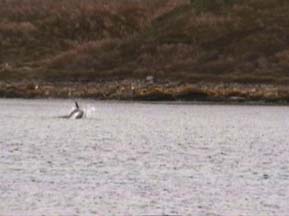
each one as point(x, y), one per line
point(144, 90)
point(88, 40)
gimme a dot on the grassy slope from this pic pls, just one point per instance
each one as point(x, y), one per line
point(84, 40)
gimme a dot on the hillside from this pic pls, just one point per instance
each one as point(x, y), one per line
point(246, 42)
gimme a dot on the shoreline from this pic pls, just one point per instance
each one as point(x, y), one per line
point(143, 90)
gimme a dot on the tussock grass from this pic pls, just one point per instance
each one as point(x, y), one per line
point(240, 41)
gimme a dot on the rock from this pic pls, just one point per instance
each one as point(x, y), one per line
point(6, 67)
point(150, 79)
point(237, 98)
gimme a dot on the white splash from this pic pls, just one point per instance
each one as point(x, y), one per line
point(89, 111)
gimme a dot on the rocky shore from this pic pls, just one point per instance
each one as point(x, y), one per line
point(149, 90)
point(145, 50)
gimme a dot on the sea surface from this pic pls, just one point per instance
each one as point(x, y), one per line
point(128, 158)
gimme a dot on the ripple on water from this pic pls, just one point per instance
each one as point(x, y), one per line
point(143, 159)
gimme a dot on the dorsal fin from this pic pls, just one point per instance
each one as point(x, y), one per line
point(76, 104)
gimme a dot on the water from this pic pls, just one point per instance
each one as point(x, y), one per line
point(143, 159)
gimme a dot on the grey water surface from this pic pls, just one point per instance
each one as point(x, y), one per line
point(143, 159)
